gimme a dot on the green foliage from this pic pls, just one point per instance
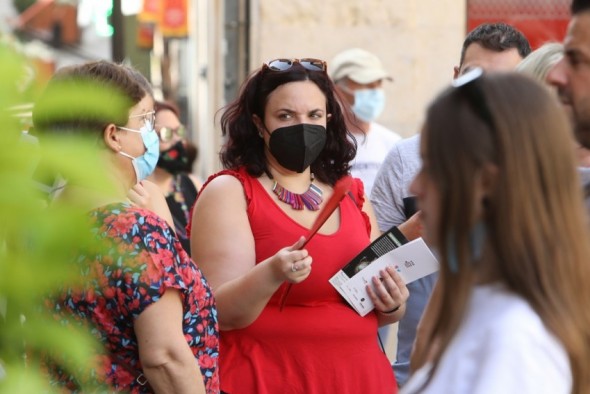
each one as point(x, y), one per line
point(69, 99)
point(38, 242)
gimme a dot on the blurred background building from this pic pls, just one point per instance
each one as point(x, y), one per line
point(198, 52)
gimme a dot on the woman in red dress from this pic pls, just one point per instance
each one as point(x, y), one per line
point(286, 147)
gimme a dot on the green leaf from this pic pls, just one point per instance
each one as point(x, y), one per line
point(38, 241)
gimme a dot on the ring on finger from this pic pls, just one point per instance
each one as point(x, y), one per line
point(294, 267)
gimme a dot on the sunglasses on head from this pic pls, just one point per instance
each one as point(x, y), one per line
point(167, 133)
point(468, 84)
point(285, 64)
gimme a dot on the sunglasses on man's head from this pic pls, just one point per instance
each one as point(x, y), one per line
point(285, 64)
point(167, 133)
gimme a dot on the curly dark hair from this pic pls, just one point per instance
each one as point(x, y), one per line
point(579, 6)
point(245, 148)
point(497, 37)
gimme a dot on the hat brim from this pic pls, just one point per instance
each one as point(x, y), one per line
point(369, 76)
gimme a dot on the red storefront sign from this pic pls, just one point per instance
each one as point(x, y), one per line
point(169, 16)
point(174, 18)
point(540, 20)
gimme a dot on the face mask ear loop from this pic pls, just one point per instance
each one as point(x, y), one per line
point(266, 130)
point(127, 155)
point(258, 127)
point(133, 164)
point(262, 136)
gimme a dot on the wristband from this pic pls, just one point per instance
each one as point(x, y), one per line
point(398, 235)
point(393, 310)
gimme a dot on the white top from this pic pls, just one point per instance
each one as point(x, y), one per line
point(372, 149)
point(503, 347)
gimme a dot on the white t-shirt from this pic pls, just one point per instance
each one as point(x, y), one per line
point(503, 347)
point(371, 151)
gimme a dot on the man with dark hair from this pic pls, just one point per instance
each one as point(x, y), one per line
point(493, 47)
point(579, 6)
point(571, 75)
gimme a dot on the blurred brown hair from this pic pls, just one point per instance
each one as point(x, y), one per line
point(537, 237)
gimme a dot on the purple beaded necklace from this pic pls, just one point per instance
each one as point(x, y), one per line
point(311, 199)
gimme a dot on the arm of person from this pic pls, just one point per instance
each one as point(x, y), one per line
point(368, 209)
point(386, 195)
point(412, 228)
point(168, 362)
point(387, 198)
point(148, 195)
point(222, 245)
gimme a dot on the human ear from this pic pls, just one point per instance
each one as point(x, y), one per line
point(486, 183)
point(259, 125)
point(111, 138)
point(456, 71)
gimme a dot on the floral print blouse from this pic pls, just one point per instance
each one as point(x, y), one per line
point(138, 258)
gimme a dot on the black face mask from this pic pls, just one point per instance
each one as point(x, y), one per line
point(174, 159)
point(296, 147)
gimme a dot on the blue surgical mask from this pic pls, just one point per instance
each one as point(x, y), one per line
point(368, 104)
point(145, 164)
